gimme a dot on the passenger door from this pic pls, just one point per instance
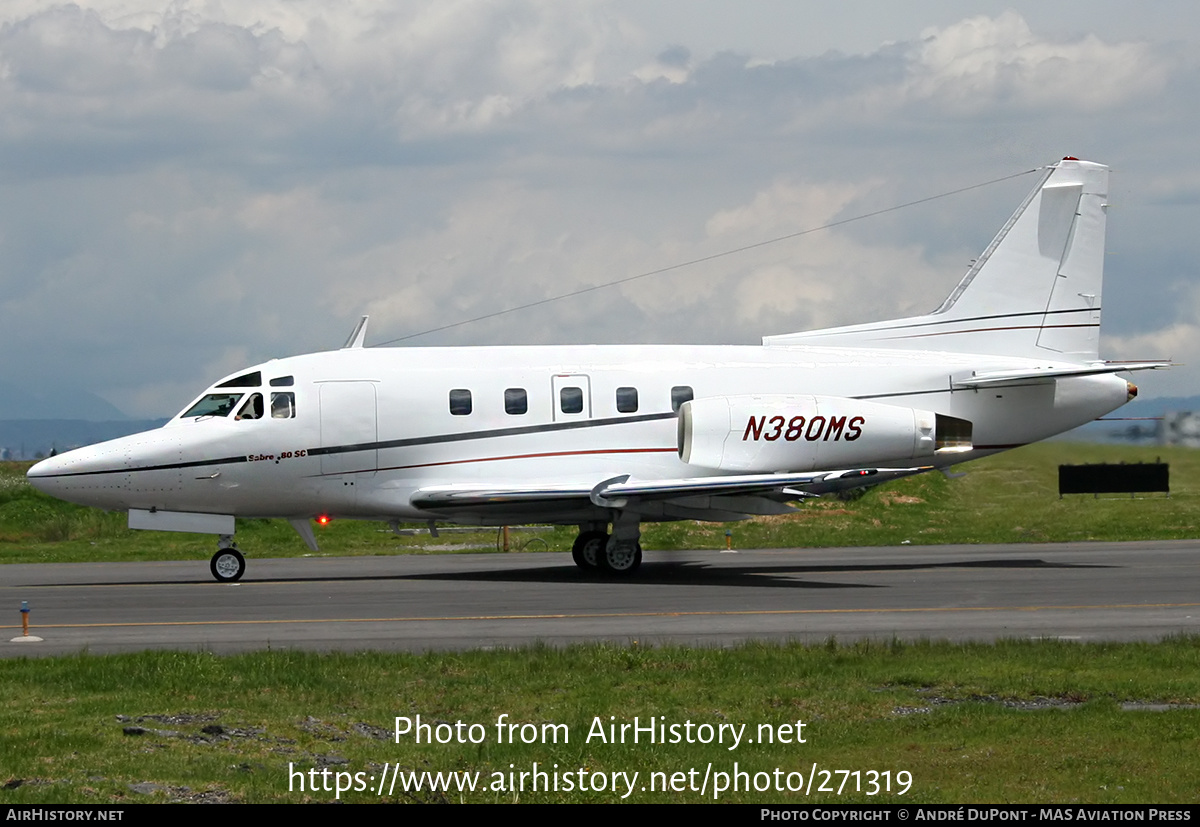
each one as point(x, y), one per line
point(349, 427)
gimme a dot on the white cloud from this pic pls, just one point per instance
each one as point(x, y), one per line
point(422, 68)
point(186, 184)
point(983, 62)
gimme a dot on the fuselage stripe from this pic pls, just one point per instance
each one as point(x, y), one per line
point(547, 427)
point(174, 466)
point(411, 442)
point(543, 455)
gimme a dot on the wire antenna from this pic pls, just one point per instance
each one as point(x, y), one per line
point(591, 289)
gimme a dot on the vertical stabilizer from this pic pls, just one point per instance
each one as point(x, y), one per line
point(1035, 291)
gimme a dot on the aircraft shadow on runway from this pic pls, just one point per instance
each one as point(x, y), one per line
point(657, 573)
point(701, 573)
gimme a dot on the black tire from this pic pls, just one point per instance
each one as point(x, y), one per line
point(619, 561)
point(227, 565)
point(588, 549)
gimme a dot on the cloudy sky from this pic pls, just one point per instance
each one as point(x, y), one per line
point(190, 187)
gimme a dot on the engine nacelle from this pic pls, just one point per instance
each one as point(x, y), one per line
point(769, 433)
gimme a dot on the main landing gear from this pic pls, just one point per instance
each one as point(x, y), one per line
point(227, 565)
point(618, 554)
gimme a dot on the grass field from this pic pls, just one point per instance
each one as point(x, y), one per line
point(1033, 722)
point(1015, 721)
point(1009, 498)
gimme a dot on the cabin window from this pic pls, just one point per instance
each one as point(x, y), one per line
point(571, 400)
point(283, 382)
point(246, 380)
point(213, 404)
point(516, 401)
point(253, 409)
point(627, 400)
point(283, 405)
point(460, 402)
point(679, 395)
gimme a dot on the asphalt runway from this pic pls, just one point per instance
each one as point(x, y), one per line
point(1083, 591)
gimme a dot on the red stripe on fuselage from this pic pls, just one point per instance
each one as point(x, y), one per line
point(514, 456)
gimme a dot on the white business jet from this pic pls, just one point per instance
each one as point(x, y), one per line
point(608, 437)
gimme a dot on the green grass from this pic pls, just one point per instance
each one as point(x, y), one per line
point(1034, 722)
point(1007, 498)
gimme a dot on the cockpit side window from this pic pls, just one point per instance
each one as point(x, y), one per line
point(246, 380)
point(213, 404)
point(283, 405)
point(253, 409)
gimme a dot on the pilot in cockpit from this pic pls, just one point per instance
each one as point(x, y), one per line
point(253, 409)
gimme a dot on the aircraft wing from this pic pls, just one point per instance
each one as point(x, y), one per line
point(638, 495)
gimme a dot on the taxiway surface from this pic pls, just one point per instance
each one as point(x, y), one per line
point(1084, 591)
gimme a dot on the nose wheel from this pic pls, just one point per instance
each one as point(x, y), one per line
point(227, 565)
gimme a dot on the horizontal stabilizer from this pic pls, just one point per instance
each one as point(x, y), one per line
point(1001, 378)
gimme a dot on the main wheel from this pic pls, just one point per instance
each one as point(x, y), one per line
point(227, 565)
point(621, 558)
point(588, 549)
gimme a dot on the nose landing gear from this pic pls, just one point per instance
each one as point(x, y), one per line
point(227, 565)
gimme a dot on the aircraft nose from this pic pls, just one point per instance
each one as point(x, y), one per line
point(45, 477)
point(66, 475)
point(42, 474)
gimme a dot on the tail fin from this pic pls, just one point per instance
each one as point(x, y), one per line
point(1035, 291)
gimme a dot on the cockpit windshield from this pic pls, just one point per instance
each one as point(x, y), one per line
point(214, 404)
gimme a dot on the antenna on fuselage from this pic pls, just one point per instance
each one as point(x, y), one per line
point(359, 334)
point(594, 287)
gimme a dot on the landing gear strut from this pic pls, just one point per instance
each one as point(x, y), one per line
point(227, 565)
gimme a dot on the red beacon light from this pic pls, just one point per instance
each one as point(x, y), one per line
point(323, 519)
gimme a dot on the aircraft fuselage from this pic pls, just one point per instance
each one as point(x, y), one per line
point(369, 427)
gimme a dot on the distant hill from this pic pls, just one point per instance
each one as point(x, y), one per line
point(34, 438)
point(1134, 422)
point(1159, 406)
point(61, 404)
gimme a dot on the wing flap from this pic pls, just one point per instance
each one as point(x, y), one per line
point(622, 492)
